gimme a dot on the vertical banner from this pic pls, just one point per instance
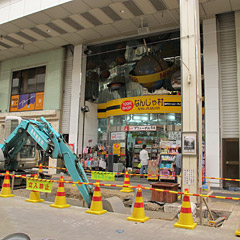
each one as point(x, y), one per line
point(14, 103)
point(116, 148)
point(39, 101)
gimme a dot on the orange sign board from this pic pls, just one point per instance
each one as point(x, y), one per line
point(27, 102)
point(116, 148)
point(14, 103)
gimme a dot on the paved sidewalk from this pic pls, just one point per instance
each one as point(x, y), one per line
point(40, 221)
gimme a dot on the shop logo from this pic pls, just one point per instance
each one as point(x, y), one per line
point(127, 106)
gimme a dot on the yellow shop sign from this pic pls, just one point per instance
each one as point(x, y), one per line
point(139, 105)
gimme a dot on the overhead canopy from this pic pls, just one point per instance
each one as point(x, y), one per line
point(92, 21)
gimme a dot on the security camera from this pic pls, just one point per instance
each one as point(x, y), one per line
point(85, 109)
point(88, 51)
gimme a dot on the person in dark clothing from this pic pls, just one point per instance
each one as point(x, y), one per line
point(178, 163)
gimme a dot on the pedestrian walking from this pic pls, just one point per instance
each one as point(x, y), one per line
point(144, 160)
point(178, 163)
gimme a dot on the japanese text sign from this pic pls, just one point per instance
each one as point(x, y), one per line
point(106, 176)
point(39, 186)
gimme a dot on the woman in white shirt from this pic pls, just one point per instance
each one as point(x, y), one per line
point(144, 160)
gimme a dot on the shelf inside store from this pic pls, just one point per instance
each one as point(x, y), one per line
point(168, 153)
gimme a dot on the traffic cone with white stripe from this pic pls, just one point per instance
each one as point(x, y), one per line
point(186, 219)
point(6, 190)
point(34, 195)
point(237, 233)
point(96, 205)
point(126, 184)
point(60, 200)
point(138, 214)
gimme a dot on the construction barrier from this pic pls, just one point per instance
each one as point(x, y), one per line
point(126, 184)
point(6, 190)
point(157, 175)
point(185, 219)
point(138, 214)
point(96, 204)
point(60, 200)
point(237, 233)
point(34, 195)
point(134, 187)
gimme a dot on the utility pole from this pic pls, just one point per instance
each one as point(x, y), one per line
point(191, 96)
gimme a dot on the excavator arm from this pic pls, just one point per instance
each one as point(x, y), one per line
point(50, 141)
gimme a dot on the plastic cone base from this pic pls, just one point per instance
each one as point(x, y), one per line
point(237, 233)
point(34, 201)
point(60, 206)
point(96, 212)
point(127, 190)
point(138, 219)
point(8, 195)
point(185, 226)
point(34, 197)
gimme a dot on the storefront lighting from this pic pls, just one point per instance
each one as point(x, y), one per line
point(171, 118)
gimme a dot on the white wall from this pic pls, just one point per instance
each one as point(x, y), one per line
point(91, 125)
point(13, 9)
point(211, 78)
point(76, 92)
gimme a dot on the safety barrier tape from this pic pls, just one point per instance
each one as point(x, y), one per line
point(117, 173)
point(157, 175)
point(121, 186)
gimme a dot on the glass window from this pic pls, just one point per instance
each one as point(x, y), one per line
point(28, 81)
point(113, 69)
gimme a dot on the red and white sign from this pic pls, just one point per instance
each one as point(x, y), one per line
point(126, 128)
point(117, 135)
point(127, 106)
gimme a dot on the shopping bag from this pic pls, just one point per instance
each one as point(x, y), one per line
point(139, 165)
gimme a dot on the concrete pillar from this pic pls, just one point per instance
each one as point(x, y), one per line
point(237, 27)
point(212, 114)
point(191, 92)
point(77, 98)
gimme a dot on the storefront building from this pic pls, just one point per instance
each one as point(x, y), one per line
point(108, 72)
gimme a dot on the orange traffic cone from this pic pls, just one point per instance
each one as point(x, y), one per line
point(34, 195)
point(237, 233)
point(6, 190)
point(96, 205)
point(60, 200)
point(138, 214)
point(186, 219)
point(126, 184)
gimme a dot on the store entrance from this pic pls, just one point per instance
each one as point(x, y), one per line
point(135, 141)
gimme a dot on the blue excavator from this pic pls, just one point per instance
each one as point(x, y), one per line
point(41, 132)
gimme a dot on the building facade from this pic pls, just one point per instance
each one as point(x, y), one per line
point(108, 72)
